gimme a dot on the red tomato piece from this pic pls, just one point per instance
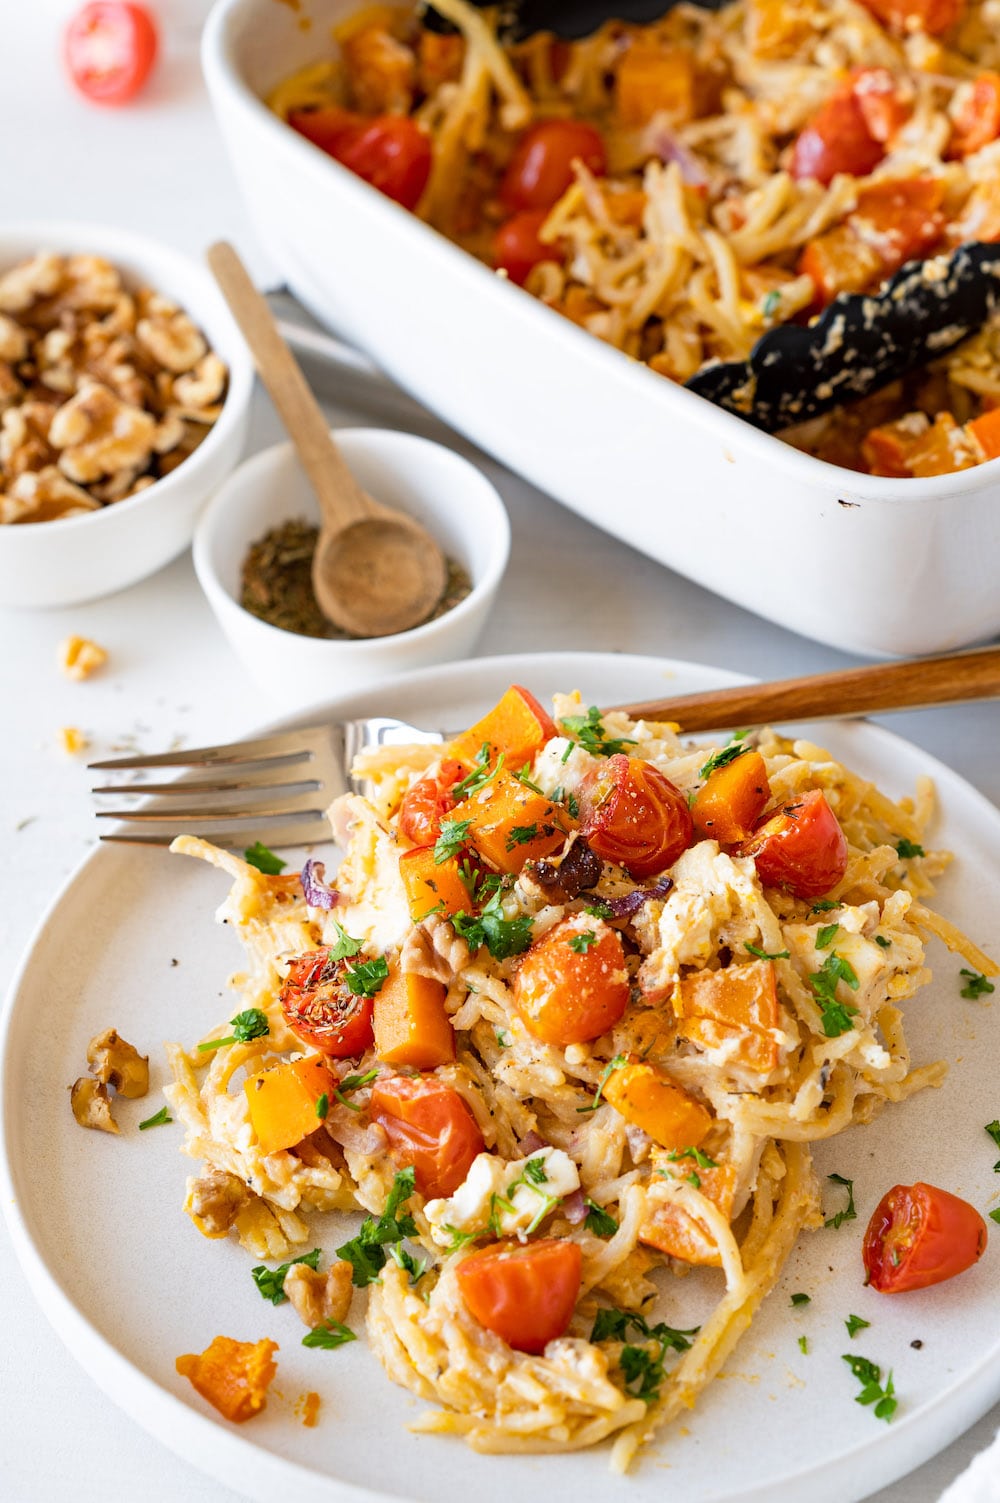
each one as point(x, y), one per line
point(428, 802)
point(110, 48)
point(323, 1011)
point(932, 16)
point(390, 152)
point(837, 139)
point(882, 105)
point(901, 219)
point(541, 168)
point(920, 1235)
point(572, 985)
point(800, 846)
point(977, 122)
point(430, 1128)
point(632, 814)
point(517, 249)
point(525, 1293)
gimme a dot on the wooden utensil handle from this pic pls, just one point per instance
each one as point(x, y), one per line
point(914, 684)
point(339, 494)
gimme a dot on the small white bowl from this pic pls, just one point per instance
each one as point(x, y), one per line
point(80, 558)
point(453, 500)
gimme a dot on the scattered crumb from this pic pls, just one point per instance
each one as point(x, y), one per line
point(175, 962)
point(72, 740)
point(79, 658)
point(916, 1345)
point(307, 1409)
point(23, 824)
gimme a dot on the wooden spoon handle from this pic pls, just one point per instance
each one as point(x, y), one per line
point(340, 496)
point(914, 684)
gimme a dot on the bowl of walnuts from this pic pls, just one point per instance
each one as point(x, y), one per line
point(124, 395)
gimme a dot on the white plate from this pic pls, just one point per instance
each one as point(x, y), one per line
point(129, 1284)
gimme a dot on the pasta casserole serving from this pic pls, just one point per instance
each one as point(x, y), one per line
point(564, 1023)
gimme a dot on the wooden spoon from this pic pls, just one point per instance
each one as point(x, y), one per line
point(376, 571)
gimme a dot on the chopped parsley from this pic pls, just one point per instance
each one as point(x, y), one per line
point(366, 1252)
point(599, 910)
point(872, 1392)
point(907, 849)
point(503, 937)
point(405, 1260)
point(582, 942)
point(322, 1106)
point(158, 1119)
point(837, 1016)
point(368, 977)
point(353, 1083)
point(522, 777)
point(993, 1128)
point(848, 1213)
point(771, 303)
point(824, 905)
point(881, 940)
point(976, 984)
point(346, 946)
point(854, 1324)
point(248, 1025)
point(701, 1159)
point(804, 1345)
point(590, 734)
point(826, 936)
point(736, 746)
point(476, 883)
point(767, 954)
point(451, 839)
point(329, 1335)
point(614, 1064)
point(480, 775)
point(995, 1215)
point(801, 1299)
point(264, 860)
point(694, 1178)
point(573, 805)
point(502, 1039)
point(521, 835)
point(271, 1281)
point(598, 1220)
point(641, 1367)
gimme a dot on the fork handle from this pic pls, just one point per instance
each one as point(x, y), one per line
point(914, 684)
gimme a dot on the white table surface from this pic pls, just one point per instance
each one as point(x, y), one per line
point(160, 168)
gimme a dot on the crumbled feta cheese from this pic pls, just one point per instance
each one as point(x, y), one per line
point(504, 1196)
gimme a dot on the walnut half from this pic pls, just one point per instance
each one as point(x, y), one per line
point(91, 1106)
point(115, 1062)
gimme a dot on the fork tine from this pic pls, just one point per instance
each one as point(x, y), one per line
point(289, 746)
point(266, 778)
point(305, 832)
point(303, 803)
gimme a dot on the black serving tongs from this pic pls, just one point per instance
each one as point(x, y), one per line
point(570, 19)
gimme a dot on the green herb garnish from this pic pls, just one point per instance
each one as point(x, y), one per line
point(701, 1159)
point(451, 839)
point(346, 946)
point(804, 1345)
point(581, 943)
point(598, 1220)
point(826, 936)
point(366, 1252)
point(521, 835)
point(158, 1119)
point(591, 735)
point(322, 1106)
point(641, 1367)
point(848, 1213)
point(881, 940)
point(352, 1083)
point(872, 1392)
point(264, 860)
point(503, 937)
point(976, 985)
point(767, 954)
point(771, 303)
point(995, 1215)
point(329, 1335)
point(248, 1025)
point(368, 977)
point(522, 777)
point(824, 905)
point(405, 1260)
point(614, 1064)
point(907, 849)
point(735, 748)
point(854, 1324)
point(271, 1281)
point(837, 1016)
point(480, 775)
point(801, 1299)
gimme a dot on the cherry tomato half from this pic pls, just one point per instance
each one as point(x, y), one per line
point(525, 1293)
point(389, 151)
point(800, 846)
point(632, 814)
point(110, 48)
point(837, 139)
point(932, 16)
point(428, 802)
point(430, 1128)
point(541, 168)
point(321, 1009)
point(517, 249)
point(572, 985)
point(920, 1235)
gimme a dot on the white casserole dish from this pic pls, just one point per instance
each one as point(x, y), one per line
point(867, 564)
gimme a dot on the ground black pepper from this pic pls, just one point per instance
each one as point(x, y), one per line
point(276, 583)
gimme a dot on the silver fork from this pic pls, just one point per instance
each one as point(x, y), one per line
point(275, 789)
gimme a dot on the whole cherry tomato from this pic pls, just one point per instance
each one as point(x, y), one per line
point(572, 985)
point(920, 1235)
point(525, 1293)
point(632, 814)
point(428, 802)
point(517, 248)
point(110, 48)
point(837, 139)
point(430, 1128)
point(800, 846)
point(389, 151)
point(320, 1007)
point(541, 168)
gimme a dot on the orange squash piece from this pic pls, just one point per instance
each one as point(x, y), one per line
point(673, 1230)
point(282, 1101)
point(412, 1029)
point(432, 886)
point(739, 1003)
point(648, 1098)
point(517, 726)
point(511, 824)
point(986, 431)
point(650, 79)
point(726, 808)
point(234, 1376)
point(896, 450)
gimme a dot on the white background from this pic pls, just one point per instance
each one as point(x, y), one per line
point(159, 167)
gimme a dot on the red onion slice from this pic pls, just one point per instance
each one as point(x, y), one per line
point(628, 906)
point(317, 893)
point(574, 1208)
point(663, 144)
